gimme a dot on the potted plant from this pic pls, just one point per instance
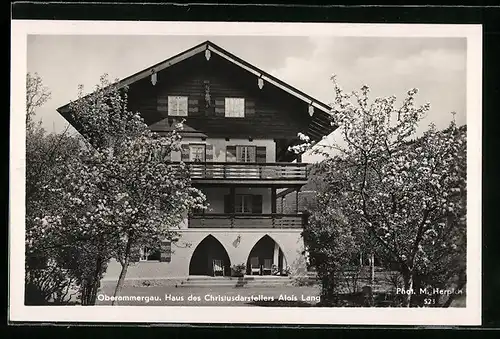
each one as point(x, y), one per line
point(238, 270)
point(286, 271)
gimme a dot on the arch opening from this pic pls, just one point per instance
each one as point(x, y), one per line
point(266, 258)
point(208, 256)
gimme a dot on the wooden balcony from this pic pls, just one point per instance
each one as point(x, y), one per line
point(247, 221)
point(234, 172)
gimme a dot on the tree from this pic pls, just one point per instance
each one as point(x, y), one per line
point(126, 193)
point(406, 194)
point(46, 155)
point(36, 96)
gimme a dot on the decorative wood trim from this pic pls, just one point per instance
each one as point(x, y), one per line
point(207, 45)
point(269, 78)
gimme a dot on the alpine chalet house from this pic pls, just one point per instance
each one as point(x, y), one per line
point(239, 124)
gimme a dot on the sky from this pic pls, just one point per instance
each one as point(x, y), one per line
point(388, 65)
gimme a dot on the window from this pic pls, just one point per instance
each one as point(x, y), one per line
point(245, 153)
point(243, 203)
point(149, 254)
point(178, 106)
point(197, 153)
point(234, 107)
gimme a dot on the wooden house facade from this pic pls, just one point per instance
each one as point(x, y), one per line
point(239, 124)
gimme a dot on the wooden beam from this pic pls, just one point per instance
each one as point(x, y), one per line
point(250, 182)
point(322, 117)
point(315, 123)
point(297, 200)
point(315, 134)
point(273, 200)
point(161, 66)
point(270, 79)
point(282, 194)
point(232, 194)
point(316, 129)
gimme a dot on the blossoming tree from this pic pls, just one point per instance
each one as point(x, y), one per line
point(46, 157)
point(405, 194)
point(125, 193)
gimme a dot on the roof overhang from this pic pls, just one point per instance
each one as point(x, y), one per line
point(320, 124)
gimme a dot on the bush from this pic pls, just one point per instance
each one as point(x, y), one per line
point(238, 270)
point(51, 284)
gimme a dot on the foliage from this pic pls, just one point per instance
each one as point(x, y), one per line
point(404, 196)
point(36, 96)
point(48, 284)
point(125, 193)
point(286, 271)
point(332, 244)
point(46, 279)
point(238, 270)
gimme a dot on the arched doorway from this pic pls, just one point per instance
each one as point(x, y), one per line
point(208, 250)
point(265, 254)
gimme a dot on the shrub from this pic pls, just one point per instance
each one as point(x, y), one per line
point(238, 270)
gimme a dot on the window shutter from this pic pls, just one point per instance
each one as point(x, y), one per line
point(260, 154)
point(185, 152)
point(193, 107)
point(227, 203)
point(257, 204)
point(249, 108)
point(182, 105)
point(173, 106)
point(162, 105)
point(230, 153)
point(135, 254)
point(209, 153)
point(220, 108)
point(166, 251)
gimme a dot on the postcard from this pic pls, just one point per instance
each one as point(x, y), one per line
point(252, 173)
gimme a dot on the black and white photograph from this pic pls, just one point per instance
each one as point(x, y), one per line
point(250, 173)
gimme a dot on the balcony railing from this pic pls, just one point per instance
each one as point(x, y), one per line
point(238, 170)
point(247, 221)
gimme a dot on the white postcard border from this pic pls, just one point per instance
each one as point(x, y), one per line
point(470, 315)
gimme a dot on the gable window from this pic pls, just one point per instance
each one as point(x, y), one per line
point(178, 106)
point(149, 254)
point(197, 153)
point(234, 107)
point(245, 153)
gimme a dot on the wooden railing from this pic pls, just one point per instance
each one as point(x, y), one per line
point(247, 221)
point(235, 170)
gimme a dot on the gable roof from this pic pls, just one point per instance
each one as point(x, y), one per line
point(321, 120)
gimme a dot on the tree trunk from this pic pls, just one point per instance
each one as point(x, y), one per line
point(372, 269)
point(121, 280)
point(408, 285)
point(123, 272)
point(96, 281)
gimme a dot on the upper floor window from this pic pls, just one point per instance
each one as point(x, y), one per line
point(238, 153)
point(197, 153)
point(245, 153)
point(234, 107)
point(178, 106)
